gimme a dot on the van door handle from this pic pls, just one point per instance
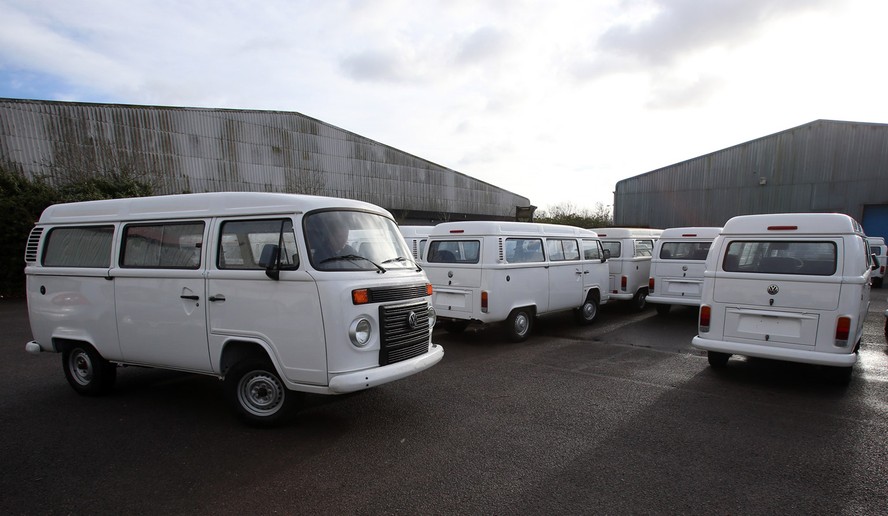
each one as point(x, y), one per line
point(217, 297)
point(193, 298)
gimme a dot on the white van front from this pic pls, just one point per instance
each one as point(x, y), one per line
point(787, 286)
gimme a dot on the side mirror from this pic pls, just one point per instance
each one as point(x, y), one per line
point(606, 255)
point(270, 261)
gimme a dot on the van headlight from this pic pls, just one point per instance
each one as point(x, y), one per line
point(433, 317)
point(360, 332)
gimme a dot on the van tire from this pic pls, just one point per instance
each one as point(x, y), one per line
point(256, 392)
point(717, 360)
point(663, 309)
point(519, 324)
point(86, 371)
point(639, 300)
point(587, 313)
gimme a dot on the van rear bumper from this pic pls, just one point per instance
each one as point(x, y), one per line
point(351, 382)
point(33, 347)
point(789, 355)
point(665, 300)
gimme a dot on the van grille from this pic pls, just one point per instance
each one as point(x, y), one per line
point(400, 341)
point(32, 245)
point(389, 294)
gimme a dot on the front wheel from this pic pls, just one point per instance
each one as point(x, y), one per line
point(519, 324)
point(256, 392)
point(86, 371)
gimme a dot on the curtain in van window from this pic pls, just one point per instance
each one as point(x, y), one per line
point(78, 247)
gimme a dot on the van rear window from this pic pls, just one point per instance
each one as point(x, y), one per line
point(684, 250)
point(454, 251)
point(781, 257)
point(78, 247)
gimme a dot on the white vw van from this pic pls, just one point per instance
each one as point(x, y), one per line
point(489, 272)
point(677, 267)
point(630, 251)
point(878, 248)
point(789, 287)
point(416, 238)
point(261, 290)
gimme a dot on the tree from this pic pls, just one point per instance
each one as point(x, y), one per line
point(568, 214)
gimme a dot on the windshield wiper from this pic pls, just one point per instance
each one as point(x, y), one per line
point(402, 259)
point(353, 257)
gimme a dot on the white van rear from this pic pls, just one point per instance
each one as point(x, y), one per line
point(878, 248)
point(488, 272)
point(629, 259)
point(791, 287)
point(261, 290)
point(416, 238)
point(677, 267)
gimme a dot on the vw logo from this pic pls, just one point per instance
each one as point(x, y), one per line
point(411, 320)
point(449, 274)
point(684, 268)
point(773, 289)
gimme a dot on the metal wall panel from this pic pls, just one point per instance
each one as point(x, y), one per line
point(197, 150)
point(824, 166)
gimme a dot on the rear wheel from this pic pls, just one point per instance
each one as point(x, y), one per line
point(587, 313)
point(519, 324)
point(86, 371)
point(256, 392)
point(639, 301)
point(717, 360)
point(663, 309)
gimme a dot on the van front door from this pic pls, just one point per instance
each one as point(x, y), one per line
point(159, 291)
point(565, 274)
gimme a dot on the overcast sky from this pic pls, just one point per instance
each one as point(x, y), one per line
point(552, 100)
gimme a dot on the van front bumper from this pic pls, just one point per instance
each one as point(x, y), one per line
point(774, 353)
point(351, 382)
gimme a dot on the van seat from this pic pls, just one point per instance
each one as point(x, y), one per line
point(445, 257)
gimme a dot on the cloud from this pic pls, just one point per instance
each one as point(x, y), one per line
point(482, 45)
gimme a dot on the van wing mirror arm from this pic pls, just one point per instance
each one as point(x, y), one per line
point(876, 263)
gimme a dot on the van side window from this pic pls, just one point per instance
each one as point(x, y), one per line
point(242, 242)
point(454, 251)
point(78, 247)
point(772, 257)
point(591, 250)
point(684, 250)
point(561, 250)
point(644, 248)
point(524, 250)
point(613, 247)
point(162, 245)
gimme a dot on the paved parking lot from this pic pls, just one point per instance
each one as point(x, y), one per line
point(621, 416)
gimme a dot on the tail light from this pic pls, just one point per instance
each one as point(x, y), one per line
point(651, 284)
point(705, 316)
point(484, 301)
point(623, 282)
point(843, 330)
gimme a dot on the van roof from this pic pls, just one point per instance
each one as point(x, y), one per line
point(496, 228)
point(876, 240)
point(184, 206)
point(415, 231)
point(789, 224)
point(690, 232)
point(628, 232)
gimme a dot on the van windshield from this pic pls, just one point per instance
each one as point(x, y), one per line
point(771, 257)
point(355, 240)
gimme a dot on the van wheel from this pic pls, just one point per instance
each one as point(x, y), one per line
point(256, 392)
point(663, 309)
point(519, 324)
point(87, 372)
point(639, 301)
point(587, 313)
point(455, 326)
point(717, 360)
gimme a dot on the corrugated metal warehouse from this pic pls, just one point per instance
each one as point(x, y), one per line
point(823, 166)
point(206, 150)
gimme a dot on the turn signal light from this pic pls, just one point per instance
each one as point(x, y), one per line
point(428, 289)
point(361, 296)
